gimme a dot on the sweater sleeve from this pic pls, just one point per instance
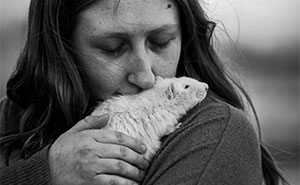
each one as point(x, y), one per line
point(34, 170)
point(216, 146)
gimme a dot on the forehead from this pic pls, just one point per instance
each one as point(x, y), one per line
point(129, 15)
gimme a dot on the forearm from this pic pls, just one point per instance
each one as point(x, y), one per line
point(34, 170)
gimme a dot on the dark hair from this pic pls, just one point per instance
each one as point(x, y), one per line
point(47, 83)
point(199, 60)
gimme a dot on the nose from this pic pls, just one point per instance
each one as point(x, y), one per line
point(206, 87)
point(141, 74)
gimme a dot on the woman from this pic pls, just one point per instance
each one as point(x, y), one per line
point(80, 52)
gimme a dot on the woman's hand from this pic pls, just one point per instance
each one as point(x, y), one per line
point(87, 155)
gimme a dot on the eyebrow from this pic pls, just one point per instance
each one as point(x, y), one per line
point(124, 35)
point(163, 28)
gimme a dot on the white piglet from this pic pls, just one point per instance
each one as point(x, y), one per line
point(153, 113)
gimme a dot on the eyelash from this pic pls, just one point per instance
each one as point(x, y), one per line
point(118, 50)
point(161, 45)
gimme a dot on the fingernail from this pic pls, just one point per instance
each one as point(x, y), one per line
point(103, 117)
point(96, 122)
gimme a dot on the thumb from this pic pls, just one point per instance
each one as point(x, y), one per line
point(91, 122)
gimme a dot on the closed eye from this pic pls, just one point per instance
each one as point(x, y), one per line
point(114, 51)
point(160, 44)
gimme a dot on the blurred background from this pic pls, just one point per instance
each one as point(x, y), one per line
point(264, 43)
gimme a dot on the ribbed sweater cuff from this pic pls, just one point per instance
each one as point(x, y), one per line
point(35, 170)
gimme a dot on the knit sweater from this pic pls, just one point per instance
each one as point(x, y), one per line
point(216, 144)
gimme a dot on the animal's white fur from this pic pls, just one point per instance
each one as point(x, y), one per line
point(154, 113)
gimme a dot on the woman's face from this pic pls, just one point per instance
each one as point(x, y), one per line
point(122, 49)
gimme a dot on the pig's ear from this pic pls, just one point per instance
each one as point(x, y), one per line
point(171, 92)
point(157, 78)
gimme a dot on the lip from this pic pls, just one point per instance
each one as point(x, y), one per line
point(117, 94)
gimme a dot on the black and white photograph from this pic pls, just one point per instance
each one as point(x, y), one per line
point(149, 92)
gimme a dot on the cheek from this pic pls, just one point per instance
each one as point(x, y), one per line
point(102, 77)
point(166, 66)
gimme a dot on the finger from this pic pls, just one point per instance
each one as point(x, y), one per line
point(122, 153)
point(120, 168)
point(115, 137)
point(91, 122)
point(113, 179)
